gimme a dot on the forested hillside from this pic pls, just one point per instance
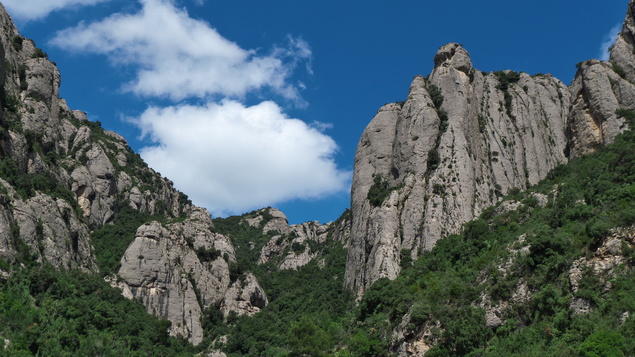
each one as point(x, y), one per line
point(500, 222)
point(546, 272)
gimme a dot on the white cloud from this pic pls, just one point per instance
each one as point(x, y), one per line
point(37, 9)
point(228, 157)
point(231, 158)
point(180, 57)
point(608, 41)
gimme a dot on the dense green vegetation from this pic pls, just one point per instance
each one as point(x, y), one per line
point(306, 313)
point(307, 308)
point(45, 312)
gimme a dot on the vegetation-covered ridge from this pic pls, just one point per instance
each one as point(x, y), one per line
point(523, 280)
point(306, 306)
point(520, 280)
point(46, 312)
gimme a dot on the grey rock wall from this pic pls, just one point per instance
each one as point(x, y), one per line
point(463, 138)
point(460, 141)
point(162, 269)
point(63, 176)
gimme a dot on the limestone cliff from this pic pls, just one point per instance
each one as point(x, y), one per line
point(289, 247)
point(64, 177)
point(464, 138)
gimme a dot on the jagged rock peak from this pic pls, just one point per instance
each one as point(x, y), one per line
point(270, 219)
point(628, 28)
point(70, 178)
point(603, 93)
point(463, 139)
point(453, 55)
point(622, 54)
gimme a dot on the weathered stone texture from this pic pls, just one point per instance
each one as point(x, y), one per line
point(463, 138)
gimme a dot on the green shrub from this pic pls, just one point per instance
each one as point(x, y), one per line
point(39, 53)
point(16, 41)
point(298, 248)
point(603, 344)
point(433, 159)
point(207, 254)
point(628, 115)
point(24, 85)
point(378, 192)
point(435, 94)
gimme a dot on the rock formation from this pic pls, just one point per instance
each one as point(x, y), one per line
point(63, 177)
point(460, 141)
point(464, 138)
point(291, 246)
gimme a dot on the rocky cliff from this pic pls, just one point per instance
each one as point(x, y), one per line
point(459, 142)
point(463, 138)
point(293, 246)
point(64, 178)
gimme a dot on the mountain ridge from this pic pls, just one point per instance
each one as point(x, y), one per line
point(464, 138)
point(75, 197)
point(66, 179)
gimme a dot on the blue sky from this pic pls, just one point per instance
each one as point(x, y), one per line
point(246, 104)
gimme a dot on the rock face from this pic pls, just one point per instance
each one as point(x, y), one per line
point(165, 269)
point(244, 297)
point(177, 270)
point(605, 263)
point(293, 246)
point(38, 216)
point(464, 138)
point(460, 141)
point(63, 176)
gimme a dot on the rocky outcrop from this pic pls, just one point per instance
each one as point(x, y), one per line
point(292, 246)
point(38, 216)
point(244, 296)
point(598, 94)
point(63, 177)
point(407, 343)
point(605, 263)
point(603, 94)
point(622, 51)
point(464, 138)
point(177, 270)
point(459, 142)
point(42, 228)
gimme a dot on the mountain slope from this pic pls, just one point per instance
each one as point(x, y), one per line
point(462, 139)
point(547, 272)
point(75, 196)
